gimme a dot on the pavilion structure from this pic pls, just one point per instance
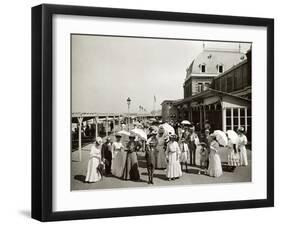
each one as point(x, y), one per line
point(80, 118)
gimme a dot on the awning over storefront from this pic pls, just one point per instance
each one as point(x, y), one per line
point(212, 96)
point(230, 102)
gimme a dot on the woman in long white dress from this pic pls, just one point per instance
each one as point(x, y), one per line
point(242, 141)
point(172, 155)
point(119, 157)
point(93, 174)
point(215, 168)
point(161, 162)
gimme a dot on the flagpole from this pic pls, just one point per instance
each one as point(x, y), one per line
point(154, 100)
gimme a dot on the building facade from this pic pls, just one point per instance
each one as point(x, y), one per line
point(208, 65)
point(217, 90)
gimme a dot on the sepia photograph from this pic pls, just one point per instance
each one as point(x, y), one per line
point(149, 112)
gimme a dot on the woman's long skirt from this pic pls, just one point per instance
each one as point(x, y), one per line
point(118, 164)
point(233, 158)
point(173, 166)
point(184, 157)
point(161, 162)
point(215, 168)
point(131, 170)
point(93, 175)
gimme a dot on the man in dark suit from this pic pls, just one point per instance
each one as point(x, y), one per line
point(191, 142)
point(106, 155)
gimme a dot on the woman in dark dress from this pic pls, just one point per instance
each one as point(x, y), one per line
point(131, 170)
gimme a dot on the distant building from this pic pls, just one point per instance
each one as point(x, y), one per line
point(217, 89)
point(169, 111)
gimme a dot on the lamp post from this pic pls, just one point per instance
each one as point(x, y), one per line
point(129, 103)
point(139, 115)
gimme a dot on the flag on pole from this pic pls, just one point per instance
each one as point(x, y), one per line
point(154, 98)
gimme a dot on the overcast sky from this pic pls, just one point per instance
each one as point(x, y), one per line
point(108, 70)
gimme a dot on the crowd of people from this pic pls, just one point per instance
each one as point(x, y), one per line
point(173, 153)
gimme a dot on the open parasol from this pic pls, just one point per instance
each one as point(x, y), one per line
point(186, 122)
point(233, 136)
point(139, 133)
point(168, 128)
point(123, 133)
point(221, 137)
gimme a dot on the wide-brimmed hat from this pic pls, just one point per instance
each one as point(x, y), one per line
point(203, 144)
point(191, 128)
point(173, 136)
point(241, 129)
point(150, 142)
point(99, 140)
point(213, 135)
point(132, 135)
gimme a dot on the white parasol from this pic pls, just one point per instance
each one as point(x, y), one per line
point(139, 133)
point(186, 122)
point(221, 137)
point(123, 133)
point(233, 136)
point(168, 128)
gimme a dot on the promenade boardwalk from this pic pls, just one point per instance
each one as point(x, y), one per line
point(79, 169)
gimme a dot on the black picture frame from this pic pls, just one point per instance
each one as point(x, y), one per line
point(42, 111)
